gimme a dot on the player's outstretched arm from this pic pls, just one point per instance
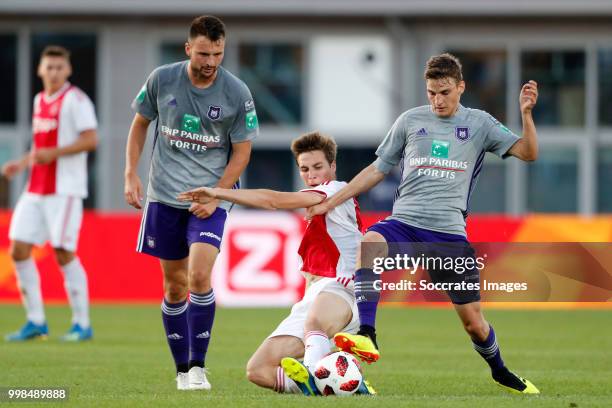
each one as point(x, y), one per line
point(362, 182)
point(526, 148)
point(133, 190)
point(258, 198)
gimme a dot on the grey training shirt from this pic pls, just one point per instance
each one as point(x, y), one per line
point(195, 129)
point(441, 159)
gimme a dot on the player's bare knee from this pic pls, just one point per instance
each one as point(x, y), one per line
point(175, 292)
point(373, 245)
point(199, 282)
point(253, 375)
point(256, 373)
point(315, 323)
point(373, 237)
point(20, 251)
point(63, 256)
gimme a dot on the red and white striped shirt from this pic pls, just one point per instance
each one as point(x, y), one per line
point(330, 244)
point(58, 120)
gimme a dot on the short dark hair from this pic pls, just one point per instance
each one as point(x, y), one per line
point(311, 141)
point(55, 51)
point(444, 66)
point(210, 27)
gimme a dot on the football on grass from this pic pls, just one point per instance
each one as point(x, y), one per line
point(338, 374)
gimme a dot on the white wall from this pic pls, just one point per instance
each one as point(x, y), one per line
point(349, 93)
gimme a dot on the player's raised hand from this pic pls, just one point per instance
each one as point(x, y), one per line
point(202, 195)
point(133, 190)
point(529, 96)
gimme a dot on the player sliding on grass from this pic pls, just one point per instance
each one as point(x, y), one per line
point(329, 253)
point(440, 148)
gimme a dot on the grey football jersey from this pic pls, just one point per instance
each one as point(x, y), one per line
point(440, 159)
point(195, 129)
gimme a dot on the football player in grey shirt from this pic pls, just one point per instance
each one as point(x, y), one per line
point(205, 121)
point(440, 148)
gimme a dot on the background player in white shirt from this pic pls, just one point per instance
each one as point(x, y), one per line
point(51, 207)
point(329, 251)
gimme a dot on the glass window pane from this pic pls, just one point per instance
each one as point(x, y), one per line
point(8, 73)
point(560, 76)
point(552, 181)
point(172, 52)
point(490, 193)
point(351, 161)
point(272, 169)
point(82, 48)
point(484, 72)
point(274, 75)
point(604, 185)
point(605, 87)
point(6, 154)
point(382, 195)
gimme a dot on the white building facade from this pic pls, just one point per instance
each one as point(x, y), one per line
point(347, 68)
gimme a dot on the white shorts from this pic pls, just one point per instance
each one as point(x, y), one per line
point(293, 325)
point(53, 218)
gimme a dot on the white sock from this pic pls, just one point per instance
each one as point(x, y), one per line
point(285, 384)
point(316, 346)
point(75, 282)
point(29, 283)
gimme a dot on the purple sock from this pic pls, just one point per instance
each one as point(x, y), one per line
point(367, 296)
point(201, 314)
point(174, 316)
point(489, 350)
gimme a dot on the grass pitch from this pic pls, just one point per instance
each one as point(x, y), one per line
point(427, 360)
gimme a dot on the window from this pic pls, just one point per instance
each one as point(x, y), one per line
point(8, 72)
point(351, 161)
point(272, 169)
point(484, 73)
point(490, 193)
point(382, 196)
point(604, 186)
point(552, 181)
point(83, 59)
point(6, 154)
point(274, 75)
point(605, 87)
point(561, 77)
point(172, 52)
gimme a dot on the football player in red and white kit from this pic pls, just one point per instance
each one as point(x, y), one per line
point(51, 207)
point(328, 250)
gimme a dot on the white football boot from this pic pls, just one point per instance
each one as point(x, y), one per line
point(197, 379)
point(182, 382)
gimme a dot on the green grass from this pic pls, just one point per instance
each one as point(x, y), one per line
point(427, 360)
